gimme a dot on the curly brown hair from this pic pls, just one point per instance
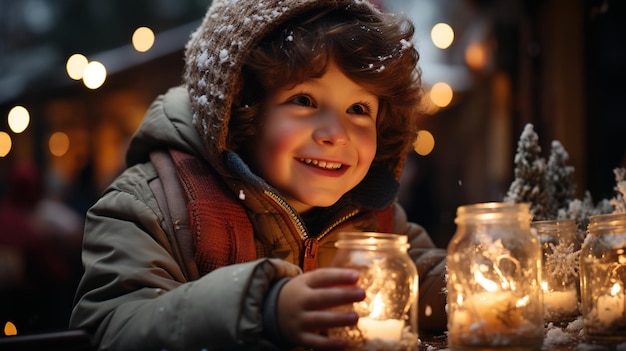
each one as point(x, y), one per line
point(373, 50)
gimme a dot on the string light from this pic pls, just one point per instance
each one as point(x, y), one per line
point(476, 55)
point(5, 143)
point(425, 143)
point(59, 144)
point(76, 65)
point(441, 94)
point(94, 75)
point(18, 119)
point(143, 39)
point(442, 35)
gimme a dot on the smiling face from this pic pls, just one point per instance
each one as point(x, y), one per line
point(317, 139)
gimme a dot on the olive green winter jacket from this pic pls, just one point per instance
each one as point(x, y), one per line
point(138, 294)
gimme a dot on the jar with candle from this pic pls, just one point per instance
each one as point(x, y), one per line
point(388, 314)
point(560, 248)
point(603, 278)
point(494, 279)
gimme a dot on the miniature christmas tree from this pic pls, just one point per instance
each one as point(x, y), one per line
point(581, 210)
point(560, 179)
point(549, 187)
point(529, 185)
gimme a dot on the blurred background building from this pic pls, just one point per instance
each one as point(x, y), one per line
point(77, 76)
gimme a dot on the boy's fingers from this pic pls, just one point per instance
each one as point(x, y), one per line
point(321, 320)
point(324, 277)
point(332, 297)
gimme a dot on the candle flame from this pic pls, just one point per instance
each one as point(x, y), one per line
point(489, 285)
point(378, 307)
point(615, 289)
point(523, 301)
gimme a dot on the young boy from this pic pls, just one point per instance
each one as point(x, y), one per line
point(293, 125)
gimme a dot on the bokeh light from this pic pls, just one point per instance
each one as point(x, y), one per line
point(425, 143)
point(442, 35)
point(76, 65)
point(5, 144)
point(18, 119)
point(143, 39)
point(441, 94)
point(476, 56)
point(94, 75)
point(59, 144)
point(10, 329)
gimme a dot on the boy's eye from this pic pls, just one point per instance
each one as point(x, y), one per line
point(302, 100)
point(359, 109)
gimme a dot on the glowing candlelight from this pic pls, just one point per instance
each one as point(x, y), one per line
point(610, 307)
point(388, 314)
point(492, 312)
point(559, 303)
point(493, 317)
point(494, 294)
point(387, 329)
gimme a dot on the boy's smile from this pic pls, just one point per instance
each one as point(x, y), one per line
point(317, 139)
point(323, 164)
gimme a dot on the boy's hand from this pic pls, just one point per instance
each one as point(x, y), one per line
point(305, 301)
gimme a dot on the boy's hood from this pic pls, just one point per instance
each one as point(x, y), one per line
point(216, 51)
point(194, 118)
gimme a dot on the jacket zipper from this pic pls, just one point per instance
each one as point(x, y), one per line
point(310, 244)
point(287, 209)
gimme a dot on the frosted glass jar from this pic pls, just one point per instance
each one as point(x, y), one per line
point(560, 266)
point(388, 314)
point(603, 278)
point(494, 273)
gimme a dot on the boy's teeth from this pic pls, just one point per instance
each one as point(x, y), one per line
point(321, 164)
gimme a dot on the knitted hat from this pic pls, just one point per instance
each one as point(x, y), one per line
point(216, 51)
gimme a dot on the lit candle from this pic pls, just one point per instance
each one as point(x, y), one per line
point(388, 329)
point(376, 327)
point(491, 319)
point(489, 311)
point(611, 307)
point(560, 303)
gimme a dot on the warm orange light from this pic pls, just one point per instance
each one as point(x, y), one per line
point(143, 39)
point(441, 94)
point(59, 144)
point(425, 143)
point(476, 56)
point(10, 329)
point(5, 143)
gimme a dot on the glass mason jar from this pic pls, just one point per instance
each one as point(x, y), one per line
point(603, 278)
point(388, 314)
point(560, 250)
point(494, 273)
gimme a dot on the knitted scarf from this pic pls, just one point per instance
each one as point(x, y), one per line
point(222, 232)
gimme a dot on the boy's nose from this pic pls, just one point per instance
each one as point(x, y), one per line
point(330, 130)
